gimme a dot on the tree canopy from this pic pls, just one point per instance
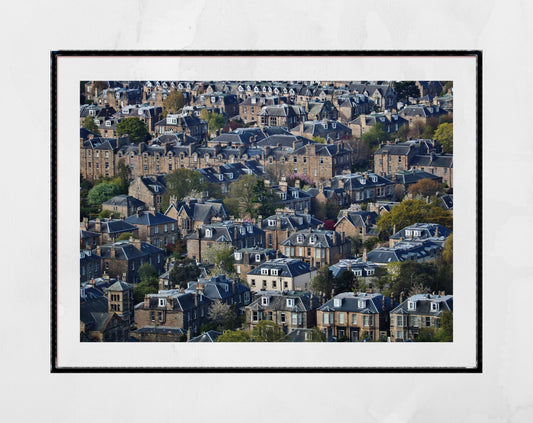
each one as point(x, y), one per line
point(444, 136)
point(180, 183)
point(183, 272)
point(173, 103)
point(88, 123)
point(135, 128)
point(249, 197)
point(215, 121)
point(149, 283)
point(101, 193)
point(425, 187)
point(222, 257)
point(375, 136)
point(234, 336)
point(223, 315)
point(406, 89)
point(409, 212)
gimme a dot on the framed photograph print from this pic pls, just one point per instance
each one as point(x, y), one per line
point(266, 211)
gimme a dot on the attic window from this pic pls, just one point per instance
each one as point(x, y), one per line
point(258, 257)
point(374, 178)
point(274, 272)
point(265, 301)
point(300, 239)
point(208, 233)
point(290, 302)
point(434, 306)
point(220, 177)
point(337, 302)
point(411, 305)
point(238, 256)
point(243, 230)
point(361, 303)
point(362, 181)
point(264, 271)
point(107, 123)
point(162, 302)
point(271, 222)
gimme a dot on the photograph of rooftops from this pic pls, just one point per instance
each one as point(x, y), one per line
point(266, 211)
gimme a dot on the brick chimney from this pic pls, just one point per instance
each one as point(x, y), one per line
point(365, 259)
point(283, 184)
point(98, 225)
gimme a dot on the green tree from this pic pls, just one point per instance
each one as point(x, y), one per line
point(124, 175)
point(370, 243)
point(426, 335)
point(317, 335)
point(135, 128)
point(406, 89)
point(126, 236)
point(322, 282)
point(356, 245)
point(104, 214)
point(241, 196)
point(223, 315)
point(148, 273)
point(173, 103)
point(149, 283)
point(375, 136)
point(344, 282)
point(215, 121)
point(264, 200)
point(88, 123)
point(266, 331)
point(318, 139)
point(221, 255)
point(180, 183)
point(184, 271)
point(234, 336)
point(444, 136)
point(447, 253)
point(409, 212)
point(101, 193)
point(425, 187)
point(445, 332)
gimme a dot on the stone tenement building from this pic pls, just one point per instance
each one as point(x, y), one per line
point(283, 154)
point(424, 155)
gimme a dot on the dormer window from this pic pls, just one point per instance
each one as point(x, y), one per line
point(213, 99)
point(162, 302)
point(337, 302)
point(290, 302)
point(208, 233)
point(220, 177)
point(408, 232)
point(258, 257)
point(434, 306)
point(361, 303)
point(265, 301)
point(238, 256)
point(92, 112)
point(312, 239)
point(271, 222)
point(374, 178)
point(362, 181)
point(264, 271)
point(411, 305)
point(295, 194)
point(107, 123)
point(243, 230)
point(274, 272)
point(300, 239)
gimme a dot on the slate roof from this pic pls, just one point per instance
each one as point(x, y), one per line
point(124, 201)
point(443, 160)
point(313, 238)
point(88, 234)
point(228, 231)
point(360, 219)
point(94, 313)
point(124, 250)
point(287, 267)
point(179, 300)
point(112, 226)
point(447, 201)
point(427, 231)
point(423, 305)
point(209, 336)
point(292, 222)
point(146, 218)
point(120, 286)
point(161, 330)
point(303, 301)
point(351, 302)
point(354, 181)
point(367, 268)
point(218, 287)
point(409, 177)
point(405, 250)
